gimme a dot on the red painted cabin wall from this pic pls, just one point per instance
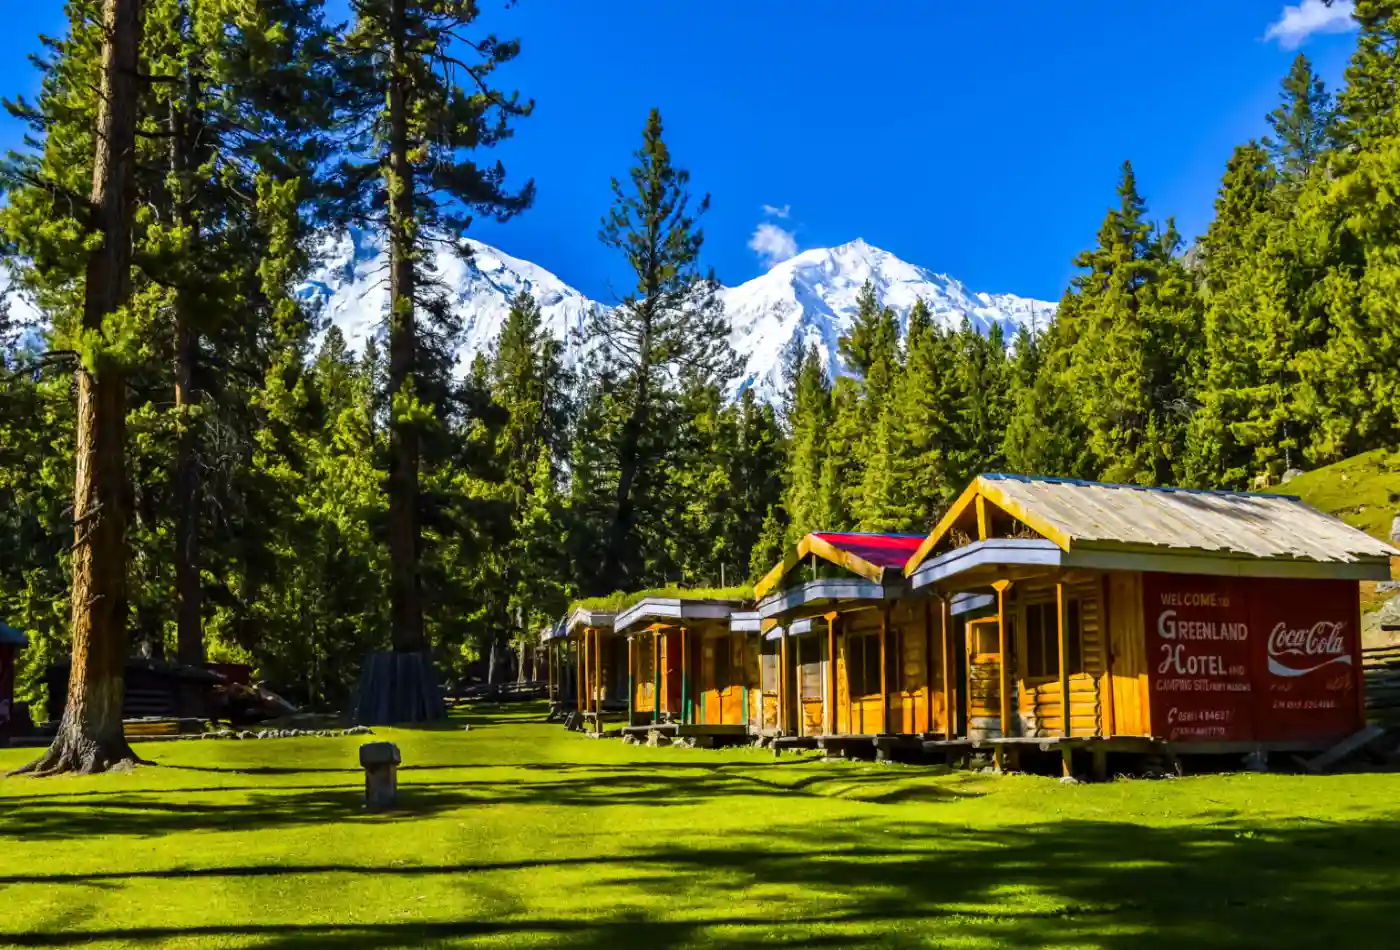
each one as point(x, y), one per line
point(1252, 659)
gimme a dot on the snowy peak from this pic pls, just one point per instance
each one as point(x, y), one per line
point(814, 296)
point(810, 298)
point(352, 284)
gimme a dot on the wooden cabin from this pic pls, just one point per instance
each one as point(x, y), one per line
point(599, 664)
point(1151, 619)
point(11, 642)
point(844, 596)
point(691, 670)
point(561, 676)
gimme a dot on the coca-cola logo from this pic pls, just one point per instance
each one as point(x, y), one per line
point(1302, 650)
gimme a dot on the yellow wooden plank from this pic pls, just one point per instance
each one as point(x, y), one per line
point(983, 529)
point(945, 524)
point(1063, 645)
point(991, 492)
point(827, 551)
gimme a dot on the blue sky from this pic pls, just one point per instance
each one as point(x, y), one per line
point(982, 140)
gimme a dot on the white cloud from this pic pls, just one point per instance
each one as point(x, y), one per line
point(1311, 17)
point(772, 244)
point(775, 212)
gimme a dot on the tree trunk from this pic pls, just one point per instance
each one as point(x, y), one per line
point(188, 622)
point(405, 582)
point(615, 567)
point(90, 737)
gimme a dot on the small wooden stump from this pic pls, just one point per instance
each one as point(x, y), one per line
point(380, 760)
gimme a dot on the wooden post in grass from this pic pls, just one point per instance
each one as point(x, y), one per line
point(631, 680)
point(597, 682)
point(685, 677)
point(884, 692)
point(1004, 645)
point(782, 682)
point(1067, 729)
point(928, 667)
point(948, 666)
point(831, 673)
point(656, 675)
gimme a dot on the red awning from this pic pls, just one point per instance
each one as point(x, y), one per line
point(881, 550)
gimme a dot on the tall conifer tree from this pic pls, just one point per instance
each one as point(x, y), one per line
point(421, 102)
point(672, 323)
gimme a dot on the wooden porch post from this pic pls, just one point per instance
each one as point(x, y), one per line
point(1067, 729)
point(631, 682)
point(782, 681)
point(685, 678)
point(884, 664)
point(581, 664)
point(928, 667)
point(1004, 644)
point(598, 681)
point(831, 673)
point(656, 675)
point(948, 667)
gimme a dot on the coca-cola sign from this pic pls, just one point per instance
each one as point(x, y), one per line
point(1300, 651)
point(1252, 659)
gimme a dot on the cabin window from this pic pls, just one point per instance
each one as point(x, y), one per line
point(770, 671)
point(723, 669)
point(810, 655)
point(1042, 642)
point(863, 664)
point(986, 637)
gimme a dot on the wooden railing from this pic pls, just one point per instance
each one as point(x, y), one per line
point(1381, 666)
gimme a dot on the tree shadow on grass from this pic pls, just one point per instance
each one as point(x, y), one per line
point(1113, 885)
point(251, 808)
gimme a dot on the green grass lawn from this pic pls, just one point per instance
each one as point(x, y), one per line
point(518, 834)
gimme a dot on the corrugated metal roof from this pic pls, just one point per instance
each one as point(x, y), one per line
point(882, 550)
point(1240, 523)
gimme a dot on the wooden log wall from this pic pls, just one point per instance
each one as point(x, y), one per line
point(1040, 702)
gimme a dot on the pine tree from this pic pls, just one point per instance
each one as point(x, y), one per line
point(671, 323)
point(1304, 124)
point(808, 422)
point(530, 387)
point(420, 102)
point(1247, 417)
point(982, 404)
point(1368, 105)
point(1344, 231)
point(99, 239)
point(922, 423)
point(1136, 340)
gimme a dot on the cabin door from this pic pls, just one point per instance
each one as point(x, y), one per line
point(809, 653)
point(983, 679)
point(723, 670)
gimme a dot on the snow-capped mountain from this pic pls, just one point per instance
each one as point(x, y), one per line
point(352, 283)
point(810, 298)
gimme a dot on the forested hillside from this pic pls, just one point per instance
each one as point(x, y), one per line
point(257, 493)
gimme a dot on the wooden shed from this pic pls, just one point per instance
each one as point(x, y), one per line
point(11, 642)
point(693, 668)
point(1152, 619)
point(844, 596)
point(599, 662)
